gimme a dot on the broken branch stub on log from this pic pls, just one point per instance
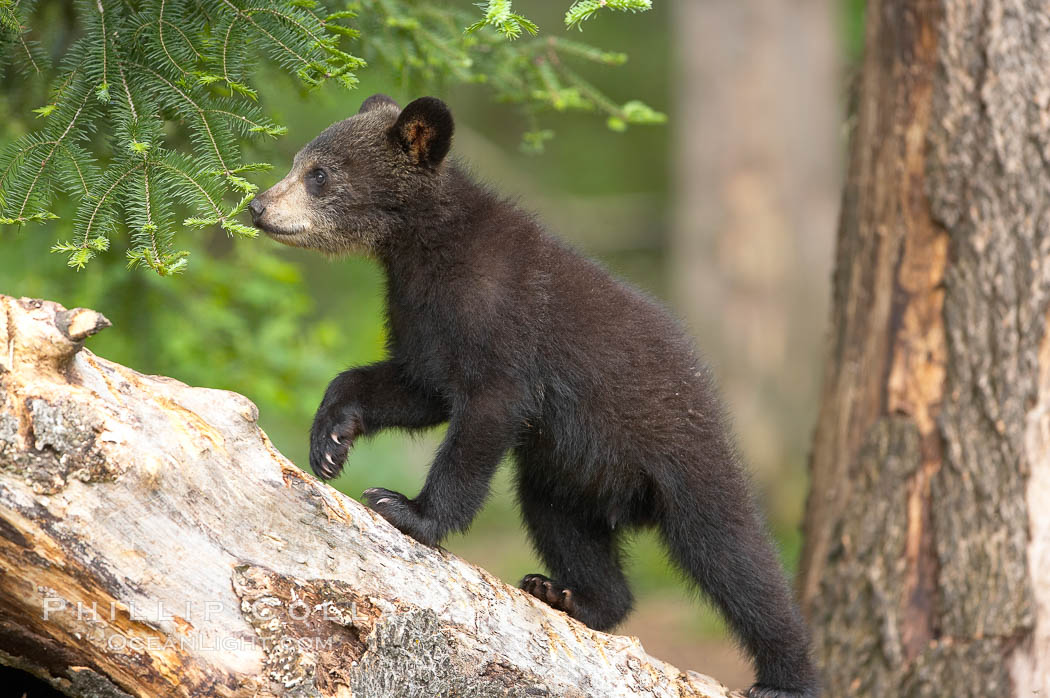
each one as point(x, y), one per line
point(153, 542)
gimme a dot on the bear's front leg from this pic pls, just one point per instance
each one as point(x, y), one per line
point(362, 401)
point(479, 435)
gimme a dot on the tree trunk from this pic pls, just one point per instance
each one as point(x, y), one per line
point(757, 179)
point(926, 569)
point(154, 543)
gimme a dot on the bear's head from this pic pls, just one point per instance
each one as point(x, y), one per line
point(362, 179)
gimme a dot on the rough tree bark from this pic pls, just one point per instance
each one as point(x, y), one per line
point(154, 543)
point(926, 569)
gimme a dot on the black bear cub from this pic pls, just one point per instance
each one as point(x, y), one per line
point(525, 347)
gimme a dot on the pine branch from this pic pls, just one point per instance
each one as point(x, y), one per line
point(499, 16)
point(216, 142)
point(277, 38)
point(191, 183)
point(582, 10)
point(30, 180)
point(13, 30)
point(162, 42)
point(103, 20)
point(97, 214)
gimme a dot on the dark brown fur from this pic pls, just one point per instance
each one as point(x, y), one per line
point(525, 347)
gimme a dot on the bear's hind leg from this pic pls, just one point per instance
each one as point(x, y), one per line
point(583, 557)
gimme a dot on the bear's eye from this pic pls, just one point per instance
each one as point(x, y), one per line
point(315, 180)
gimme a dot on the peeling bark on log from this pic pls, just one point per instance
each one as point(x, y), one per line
point(153, 542)
point(926, 569)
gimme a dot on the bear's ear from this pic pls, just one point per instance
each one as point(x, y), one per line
point(424, 131)
point(376, 101)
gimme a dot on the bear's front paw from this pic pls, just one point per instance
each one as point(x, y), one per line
point(401, 511)
point(550, 592)
point(331, 437)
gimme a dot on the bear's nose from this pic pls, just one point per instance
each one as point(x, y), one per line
point(256, 208)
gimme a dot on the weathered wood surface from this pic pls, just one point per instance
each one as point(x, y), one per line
point(153, 542)
point(926, 569)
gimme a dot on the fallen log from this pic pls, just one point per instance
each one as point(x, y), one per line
point(153, 542)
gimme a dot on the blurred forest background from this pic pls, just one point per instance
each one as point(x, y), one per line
point(727, 213)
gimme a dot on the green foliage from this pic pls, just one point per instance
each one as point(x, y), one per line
point(582, 10)
point(135, 68)
point(425, 45)
point(151, 104)
point(14, 39)
point(499, 17)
